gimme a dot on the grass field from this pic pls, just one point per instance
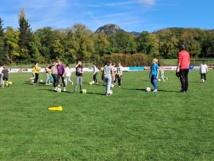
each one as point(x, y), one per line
point(129, 125)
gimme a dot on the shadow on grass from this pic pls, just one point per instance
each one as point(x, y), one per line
point(144, 90)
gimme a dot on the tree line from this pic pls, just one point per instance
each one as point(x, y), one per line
point(24, 46)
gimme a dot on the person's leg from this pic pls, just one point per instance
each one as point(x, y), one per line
point(95, 78)
point(205, 78)
point(36, 78)
point(108, 84)
point(77, 82)
point(119, 80)
point(186, 80)
point(154, 82)
point(47, 79)
point(81, 80)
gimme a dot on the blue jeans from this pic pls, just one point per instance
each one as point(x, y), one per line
point(107, 79)
point(154, 81)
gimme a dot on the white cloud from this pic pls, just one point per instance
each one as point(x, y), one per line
point(146, 2)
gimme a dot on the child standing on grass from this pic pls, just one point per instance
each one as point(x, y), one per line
point(79, 76)
point(5, 73)
point(68, 73)
point(47, 74)
point(154, 72)
point(36, 72)
point(203, 71)
point(119, 73)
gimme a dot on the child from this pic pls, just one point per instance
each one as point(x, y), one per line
point(47, 73)
point(68, 73)
point(203, 71)
point(36, 72)
point(79, 76)
point(154, 72)
point(31, 79)
point(162, 70)
point(5, 73)
point(119, 73)
point(95, 71)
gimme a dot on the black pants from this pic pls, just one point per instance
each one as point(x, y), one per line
point(36, 77)
point(117, 77)
point(95, 77)
point(203, 76)
point(63, 82)
point(184, 79)
point(55, 80)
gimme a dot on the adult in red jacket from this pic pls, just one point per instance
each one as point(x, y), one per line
point(183, 68)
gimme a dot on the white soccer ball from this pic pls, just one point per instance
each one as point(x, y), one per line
point(59, 90)
point(148, 89)
point(41, 81)
point(112, 85)
point(92, 82)
point(159, 80)
point(111, 92)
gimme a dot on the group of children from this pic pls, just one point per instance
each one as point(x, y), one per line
point(109, 74)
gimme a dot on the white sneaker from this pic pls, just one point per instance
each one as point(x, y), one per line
point(155, 90)
point(64, 90)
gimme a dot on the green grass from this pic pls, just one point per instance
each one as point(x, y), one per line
point(129, 125)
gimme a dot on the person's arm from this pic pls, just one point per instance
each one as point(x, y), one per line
point(207, 69)
point(158, 70)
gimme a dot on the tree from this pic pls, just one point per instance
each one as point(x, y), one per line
point(11, 40)
point(25, 38)
point(123, 42)
point(2, 56)
point(190, 39)
point(46, 38)
point(83, 46)
point(168, 44)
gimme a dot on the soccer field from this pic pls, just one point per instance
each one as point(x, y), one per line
point(131, 124)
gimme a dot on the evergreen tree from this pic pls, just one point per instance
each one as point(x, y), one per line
point(25, 38)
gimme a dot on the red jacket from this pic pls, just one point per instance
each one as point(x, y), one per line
point(184, 59)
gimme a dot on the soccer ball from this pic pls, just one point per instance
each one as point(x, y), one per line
point(202, 80)
point(90, 83)
point(148, 89)
point(59, 90)
point(10, 82)
point(41, 81)
point(112, 85)
point(84, 91)
point(111, 92)
point(159, 80)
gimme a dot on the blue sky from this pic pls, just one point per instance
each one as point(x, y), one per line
point(130, 15)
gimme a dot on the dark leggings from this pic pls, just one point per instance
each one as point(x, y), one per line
point(63, 82)
point(36, 77)
point(95, 77)
point(55, 80)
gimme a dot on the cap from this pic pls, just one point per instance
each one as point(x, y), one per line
point(182, 47)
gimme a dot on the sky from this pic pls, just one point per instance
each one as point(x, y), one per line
point(129, 15)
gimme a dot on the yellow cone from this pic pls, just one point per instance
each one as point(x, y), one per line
point(57, 108)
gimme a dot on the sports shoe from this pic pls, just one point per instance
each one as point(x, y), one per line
point(155, 90)
point(64, 89)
